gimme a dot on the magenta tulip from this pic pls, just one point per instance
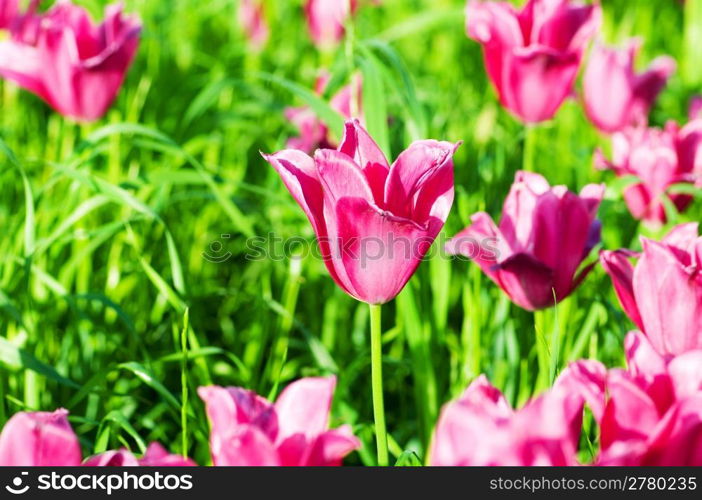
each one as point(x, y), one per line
point(314, 134)
point(74, 65)
point(253, 22)
point(39, 439)
point(649, 414)
point(246, 429)
point(532, 56)
point(326, 20)
point(374, 222)
point(481, 429)
point(659, 158)
point(615, 95)
point(662, 294)
point(47, 439)
point(544, 235)
point(155, 456)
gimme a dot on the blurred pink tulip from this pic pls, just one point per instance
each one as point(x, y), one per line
point(314, 134)
point(253, 21)
point(326, 20)
point(9, 9)
point(155, 456)
point(374, 222)
point(39, 439)
point(615, 95)
point(659, 158)
point(46, 439)
point(293, 431)
point(481, 429)
point(544, 235)
point(532, 56)
point(74, 65)
point(649, 414)
point(662, 294)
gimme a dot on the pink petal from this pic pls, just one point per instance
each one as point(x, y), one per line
point(357, 144)
point(113, 458)
point(412, 172)
point(620, 269)
point(39, 439)
point(380, 251)
point(668, 299)
point(157, 456)
point(331, 447)
point(303, 407)
point(247, 447)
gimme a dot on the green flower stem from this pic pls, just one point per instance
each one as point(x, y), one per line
point(377, 385)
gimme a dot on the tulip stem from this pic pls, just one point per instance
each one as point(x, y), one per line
point(529, 148)
point(377, 384)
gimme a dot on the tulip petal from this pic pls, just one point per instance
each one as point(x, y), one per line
point(357, 144)
point(113, 458)
point(331, 447)
point(39, 439)
point(381, 251)
point(157, 456)
point(621, 271)
point(303, 407)
point(686, 373)
point(247, 447)
point(668, 298)
point(414, 169)
point(527, 281)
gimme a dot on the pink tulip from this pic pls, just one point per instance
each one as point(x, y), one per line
point(662, 294)
point(47, 439)
point(374, 222)
point(615, 95)
point(659, 158)
point(532, 56)
point(326, 20)
point(293, 431)
point(314, 134)
point(253, 22)
point(39, 439)
point(481, 429)
point(74, 65)
point(155, 456)
point(651, 413)
point(544, 235)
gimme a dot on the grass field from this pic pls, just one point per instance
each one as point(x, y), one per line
point(124, 277)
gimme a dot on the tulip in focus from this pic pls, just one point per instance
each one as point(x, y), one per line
point(77, 67)
point(326, 20)
point(253, 22)
point(374, 222)
point(615, 95)
point(248, 430)
point(46, 439)
point(662, 293)
point(314, 134)
point(544, 235)
point(659, 158)
point(649, 414)
point(532, 56)
point(481, 429)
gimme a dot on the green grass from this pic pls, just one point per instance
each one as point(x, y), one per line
point(108, 308)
